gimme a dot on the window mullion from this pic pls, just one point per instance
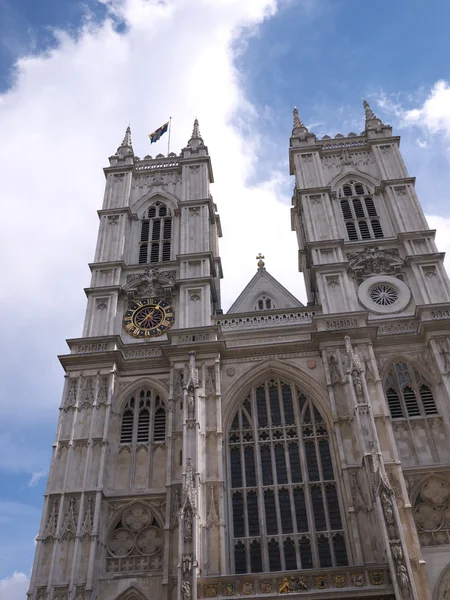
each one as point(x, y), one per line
point(308, 498)
point(259, 482)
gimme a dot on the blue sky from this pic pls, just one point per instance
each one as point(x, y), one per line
point(74, 74)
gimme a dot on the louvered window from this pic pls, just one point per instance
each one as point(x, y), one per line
point(358, 213)
point(143, 419)
point(264, 303)
point(156, 235)
point(276, 430)
point(408, 394)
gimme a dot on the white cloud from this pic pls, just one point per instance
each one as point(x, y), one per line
point(67, 113)
point(14, 587)
point(434, 114)
point(36, 477)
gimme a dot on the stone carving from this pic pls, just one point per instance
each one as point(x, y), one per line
point(88, 348)
point(259, 321)
point(429, 271)
point(136, 542)
point(69, 525)
point(195, 338)
point(333, 281)
point(334, 370)
point(189, 502)
point(186, 590)
point(440, 314)
point(149, 284)
point(341, 324)
point(50, 527)
point(210, 387)
point(87, 394)
point(41, 593)
point(212, 516)
point(354, 368)
point(88, 517)
point(80, 592)
point(292, 584)
point(71, 396)
point(398, 328)
point(375, 261)
point(138, 353)
point(445, 359)
point(61, 592)
point(186, 564)
point(102, 397)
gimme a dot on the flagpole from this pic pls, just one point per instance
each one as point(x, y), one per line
point(168, 141)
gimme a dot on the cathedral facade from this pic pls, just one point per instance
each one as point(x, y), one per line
point(278, 450)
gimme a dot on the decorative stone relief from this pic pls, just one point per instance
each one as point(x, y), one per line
point(375, 261)
point(87, 394)
point(71, 394)
point(136, 542)
point(150, 283)
point(113, 219)
point(88, 517)
point(41, 593)
point(195, 295)
point(52, 520)
point(341, 324)
point(332, 281)
point(138, 353)
point(102, 397)
point(354, 368)
point(189, 502)
point(432, 512)
point(212, 517)
point(429, 271)
point(61, 592)
point(194, 211)
point(398, 328)
point(69, 524)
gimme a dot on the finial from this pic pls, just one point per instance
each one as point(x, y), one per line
point(372, 121)
point(299, 127)
point(196, 131)
point(260, 261)
point(127, 139)
point(297, 120)
point(196, 137)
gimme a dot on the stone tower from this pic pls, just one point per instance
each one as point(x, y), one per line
point(275, 450)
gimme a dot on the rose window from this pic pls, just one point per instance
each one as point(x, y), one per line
point(383, 294)
point(135, 543)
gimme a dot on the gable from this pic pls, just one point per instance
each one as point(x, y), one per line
point(266, 289)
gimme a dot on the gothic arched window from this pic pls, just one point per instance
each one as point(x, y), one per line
point(156, 235)
point(264, 302)
point(408, 393)
point(143, 419)
point(359, 212)
point(284, 500)
point(135, 544)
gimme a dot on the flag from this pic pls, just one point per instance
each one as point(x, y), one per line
point(154, 137)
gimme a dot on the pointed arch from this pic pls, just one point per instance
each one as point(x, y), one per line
point(430, 499)
point(150, 198)
point(443, 585)
point(283, 497)
point(274, 368)
point(341, 178)
point(132, 593)
point(408, 391)
point(119, 401)
point(135, 540)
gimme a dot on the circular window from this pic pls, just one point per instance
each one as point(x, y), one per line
point(383, 294)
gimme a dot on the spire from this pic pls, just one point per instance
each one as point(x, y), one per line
point(297, 120)
point(299, 128)
point(196, 138)
point(196, 131)
point(126, 148)
point(127, 139)
point(372, 121)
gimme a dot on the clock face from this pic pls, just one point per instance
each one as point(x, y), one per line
point(148, 317)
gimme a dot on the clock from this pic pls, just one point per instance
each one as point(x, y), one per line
point(148, 317)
